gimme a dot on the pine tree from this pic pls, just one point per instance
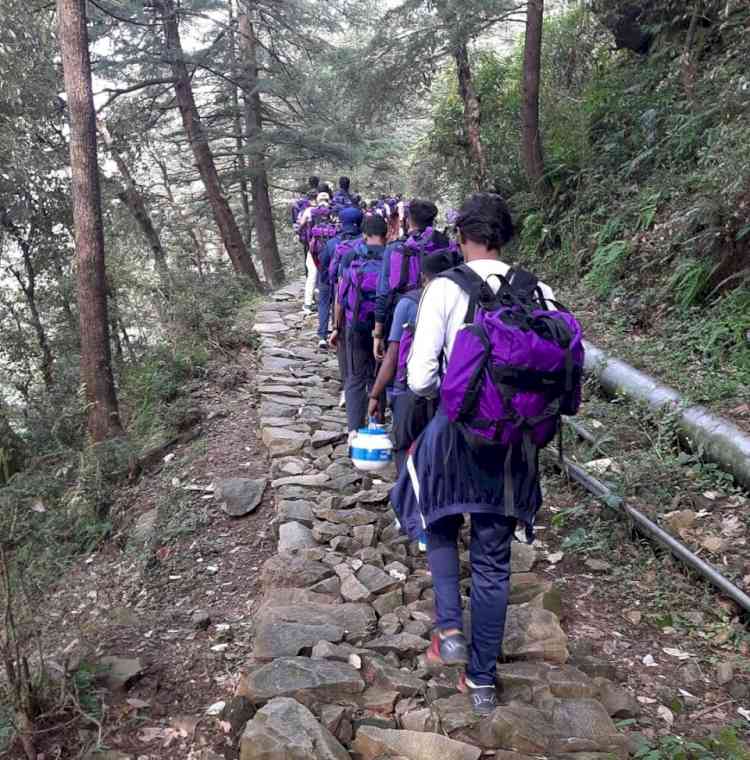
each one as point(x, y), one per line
point(96, 361)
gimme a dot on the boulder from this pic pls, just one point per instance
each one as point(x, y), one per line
point(372, 743)
point(357, 620)
point(293, 536)
point(517, 727)
point(402, 644)
point(320, 480)
point(292, 572)
point(303, 678)
point(281, 437)
point(389, 602)
point(377, 672)
point(522, 557)
point(585, 726)
point(534, 634)
point(453, 713)
point(274, 640)
point(365, 534)
point(323, 437)
point(295, 511)
point(617, 701)
point(354, 591)
point(326, 531)
point(240, 496)
point(353, 517)
point(377, 580)
point(289, 597)
point(418, 720)
point(286, 730)
point(269, 409)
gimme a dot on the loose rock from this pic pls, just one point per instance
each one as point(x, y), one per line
point(286, 730)
point(240, 496)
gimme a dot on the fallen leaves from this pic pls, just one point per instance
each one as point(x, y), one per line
point(677, 653)
point(665, 714)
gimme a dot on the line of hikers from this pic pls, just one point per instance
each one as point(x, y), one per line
point(475, 362)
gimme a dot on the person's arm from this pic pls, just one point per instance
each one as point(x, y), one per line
point(338, 312)
point(429, 340)
point(385, 376)
point(381, 293)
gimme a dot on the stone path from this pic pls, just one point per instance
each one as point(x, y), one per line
point(337, 667)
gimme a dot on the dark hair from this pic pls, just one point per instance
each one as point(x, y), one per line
point(326, 188)
point(313, 181)
point(344, 183)
point(422, 213)
point(485, 219)
point(374, 226)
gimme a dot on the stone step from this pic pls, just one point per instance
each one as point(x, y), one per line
point(337, 668)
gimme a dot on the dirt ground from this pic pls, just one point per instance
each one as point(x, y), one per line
point(681, 649)
point(140, 602)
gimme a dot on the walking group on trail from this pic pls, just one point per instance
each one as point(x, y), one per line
point(473, 360)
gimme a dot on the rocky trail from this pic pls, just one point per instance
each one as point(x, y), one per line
point(337, 665)
point(262, 605)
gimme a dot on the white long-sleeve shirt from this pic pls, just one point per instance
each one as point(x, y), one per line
point(441, 315)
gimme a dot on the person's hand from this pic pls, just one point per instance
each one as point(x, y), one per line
point(333, 339)
point(379, 349)
point(373, 409)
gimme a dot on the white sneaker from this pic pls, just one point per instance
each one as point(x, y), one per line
point(307, 310)
point(342, 400)
point(322, 343)
point(352, 436)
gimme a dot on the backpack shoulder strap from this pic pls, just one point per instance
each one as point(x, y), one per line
point(526, 285)
point(470, 282)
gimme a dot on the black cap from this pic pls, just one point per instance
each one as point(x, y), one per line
point(440, 261)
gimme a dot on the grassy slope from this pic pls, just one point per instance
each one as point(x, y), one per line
point(650, 240)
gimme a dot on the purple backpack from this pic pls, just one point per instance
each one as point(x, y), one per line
point(405, 344)
point(341, 199)
point(322, 229)
point(345, 247)
point(406, 258)
point(515, 367)
point(358, 290)
point(299, 206)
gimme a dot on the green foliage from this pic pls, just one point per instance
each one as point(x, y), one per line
point(722, 745)
point(607, 265)
point(156, 381)
point(690, 281)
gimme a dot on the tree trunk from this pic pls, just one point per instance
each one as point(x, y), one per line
point(531, 140)
point(204, 159)
point(133, 199)
point(96, 360)
point(238, 138)
point(194, 230)
point(472, 116)
point(264, 225)
point(12, 449)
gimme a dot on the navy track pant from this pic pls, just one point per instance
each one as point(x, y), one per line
point(491, 537)
point(360, 376)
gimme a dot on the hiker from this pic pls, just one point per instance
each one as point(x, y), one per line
point(348, 238)
point(342, 197)
point(355, 311)
point(471, 461)
point(411, 413)
point(402, 266)
point(308, 221)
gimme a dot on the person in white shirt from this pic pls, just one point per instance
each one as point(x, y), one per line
point(322, 199)
point(447, 476)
